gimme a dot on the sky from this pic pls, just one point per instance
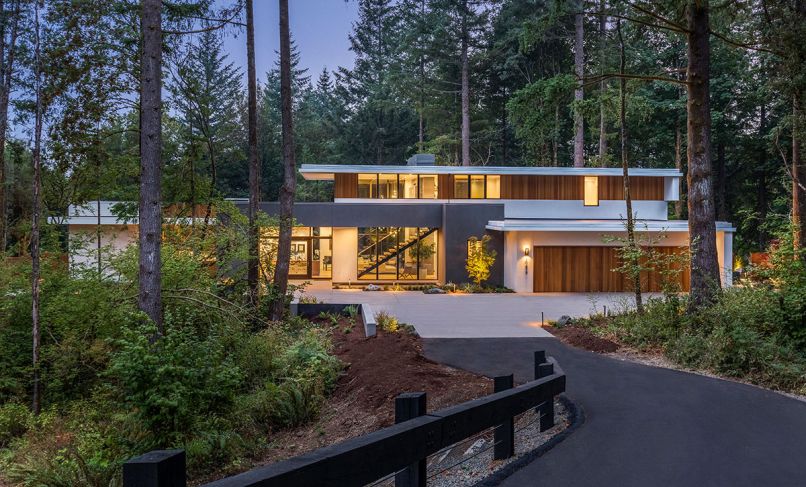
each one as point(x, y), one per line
point(319, 27)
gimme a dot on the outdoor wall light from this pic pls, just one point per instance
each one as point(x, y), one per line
point(526, 264)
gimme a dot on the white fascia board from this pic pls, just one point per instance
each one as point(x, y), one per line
point(327, 171)
point(595, 226)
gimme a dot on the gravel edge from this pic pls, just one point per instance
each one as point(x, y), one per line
point(576, 417)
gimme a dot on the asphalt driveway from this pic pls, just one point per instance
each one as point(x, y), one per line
point(475, 315)
point(648, 426)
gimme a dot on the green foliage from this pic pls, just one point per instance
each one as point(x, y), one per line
point(387, 322)
point(14, 421)
point(171, 383)
point(480, 258)
point(752, 332)
point(535, 113)
point(219, 379)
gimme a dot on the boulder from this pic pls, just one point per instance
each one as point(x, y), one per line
point(564, 321)
point(434, 290)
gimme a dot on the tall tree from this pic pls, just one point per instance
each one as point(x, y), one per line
point(701, 212)
point(465, 87)
point(602, 83)
point(289, 168)
point(150, 207)
point(579, 93)
point(636, 274)
point(9, 22)
point(254, 168)
point(36, 403)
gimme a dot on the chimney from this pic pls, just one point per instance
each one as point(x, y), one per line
point(422, 160)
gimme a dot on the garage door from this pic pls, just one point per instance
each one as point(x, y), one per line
point(590, 269)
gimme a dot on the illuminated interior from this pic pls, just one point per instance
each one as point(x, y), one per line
point(591, 191)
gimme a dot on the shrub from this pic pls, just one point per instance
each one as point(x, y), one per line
point(14, 421)
point(172, 382)
point(480, 258)
point(386, 322)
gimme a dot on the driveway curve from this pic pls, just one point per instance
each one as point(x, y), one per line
point(648, 426)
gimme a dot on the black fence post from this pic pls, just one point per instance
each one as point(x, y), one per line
point(160, 468)
point(410, 405)
point(504, 437)
point(546, 410)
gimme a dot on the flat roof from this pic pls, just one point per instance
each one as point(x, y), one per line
point(541, 225)
point(327, 171)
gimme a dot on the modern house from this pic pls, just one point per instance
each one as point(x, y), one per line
point(554, 229)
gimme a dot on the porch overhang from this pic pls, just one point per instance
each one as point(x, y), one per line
point(545, 225)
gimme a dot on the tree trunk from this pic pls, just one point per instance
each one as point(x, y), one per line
point(678, 164)
point(254, 175)
point(6, 71)
point(555, 142)
point(289, 169)
point(579, 94)
point(150, 221)
point(761, 179)
point(636, 277)
point(701, 219)
point(36, 402)
point(465, 88)
point(721, 205)
point(798, 179)
point(602, 84)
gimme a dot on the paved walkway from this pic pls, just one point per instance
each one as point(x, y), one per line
point(649, 426)
point(474, 315)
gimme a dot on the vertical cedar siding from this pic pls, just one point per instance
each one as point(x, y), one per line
point(346, 185)
point(444, 186)
point(515, 187)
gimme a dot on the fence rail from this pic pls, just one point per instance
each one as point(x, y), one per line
point(400, 448)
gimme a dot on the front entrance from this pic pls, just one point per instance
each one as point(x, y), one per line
point(300, 262)
point(590, 269)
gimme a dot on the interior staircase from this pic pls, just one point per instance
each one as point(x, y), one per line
point(393, 252)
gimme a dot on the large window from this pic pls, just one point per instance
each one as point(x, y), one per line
point(398, 186)
point(397, 253)
point(311, 252)
point(476, 186)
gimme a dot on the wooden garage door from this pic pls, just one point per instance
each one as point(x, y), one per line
point(590, 269)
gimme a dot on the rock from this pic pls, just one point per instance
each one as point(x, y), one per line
point(564, 321)
point(434, 290)
point(372, 287)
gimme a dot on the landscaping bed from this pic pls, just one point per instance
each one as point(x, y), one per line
point(376, 370)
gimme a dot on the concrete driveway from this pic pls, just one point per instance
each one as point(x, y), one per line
point(474, 315)
point(647, 426)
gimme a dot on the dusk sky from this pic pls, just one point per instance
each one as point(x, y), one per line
point(319, 27)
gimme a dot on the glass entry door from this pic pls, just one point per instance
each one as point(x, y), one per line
point(300, 262)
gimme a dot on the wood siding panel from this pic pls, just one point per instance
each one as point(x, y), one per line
point(642, 188)
point(444, 186)
point(590, 269)
point(346, 185)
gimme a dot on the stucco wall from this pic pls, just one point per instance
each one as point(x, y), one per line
point(83, 243)
point(345, 258)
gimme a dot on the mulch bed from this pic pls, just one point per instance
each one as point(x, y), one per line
point(378, 369)
point(583, 338)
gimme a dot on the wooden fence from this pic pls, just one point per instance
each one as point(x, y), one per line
point(400, 450)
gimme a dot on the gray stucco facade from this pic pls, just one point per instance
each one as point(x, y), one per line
point(457, 222)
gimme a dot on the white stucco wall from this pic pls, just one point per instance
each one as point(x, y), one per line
point(345, 259)
point(83, 243)
point(575, 209)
